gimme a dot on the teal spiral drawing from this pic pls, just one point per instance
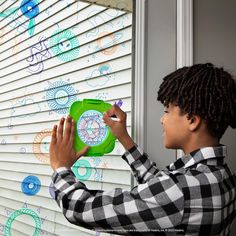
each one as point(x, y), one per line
point(23, 211)
point(65, 45)
point(85, 164)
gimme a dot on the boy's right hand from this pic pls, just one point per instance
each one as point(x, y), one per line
point(118, 128)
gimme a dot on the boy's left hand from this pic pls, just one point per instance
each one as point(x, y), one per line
point(62, 153)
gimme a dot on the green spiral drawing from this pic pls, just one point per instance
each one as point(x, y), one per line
point(23, 211)
point(65, 45)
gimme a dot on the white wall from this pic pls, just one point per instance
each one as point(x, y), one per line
point(161, 60)
point(214, 41)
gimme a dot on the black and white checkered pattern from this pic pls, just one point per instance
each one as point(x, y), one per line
point(193, 196)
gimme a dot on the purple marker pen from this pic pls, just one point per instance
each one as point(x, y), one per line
point(119, 104)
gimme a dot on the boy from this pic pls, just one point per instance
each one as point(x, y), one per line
point(193, 196)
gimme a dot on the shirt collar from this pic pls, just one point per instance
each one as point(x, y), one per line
point(199, 155)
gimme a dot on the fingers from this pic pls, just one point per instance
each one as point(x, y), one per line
point(113, 110)
point(67, 132)
point(82, 152)
point(107, 120)
point(54, 135)
point(116, 111)
point(60, 129)
point(72, 133)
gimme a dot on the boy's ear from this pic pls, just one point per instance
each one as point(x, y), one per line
point(194, 123)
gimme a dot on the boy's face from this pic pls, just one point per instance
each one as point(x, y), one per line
point(175, 127)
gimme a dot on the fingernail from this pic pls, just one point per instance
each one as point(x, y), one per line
point(115, 119)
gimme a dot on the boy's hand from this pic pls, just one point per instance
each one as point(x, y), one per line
point(61, 151)
point(118, 128)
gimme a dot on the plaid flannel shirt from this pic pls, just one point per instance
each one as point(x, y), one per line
point(195, 195)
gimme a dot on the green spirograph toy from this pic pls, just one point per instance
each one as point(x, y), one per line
point(90, 128)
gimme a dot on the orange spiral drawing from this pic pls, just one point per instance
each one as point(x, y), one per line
point(101, 45)
point(39, 141)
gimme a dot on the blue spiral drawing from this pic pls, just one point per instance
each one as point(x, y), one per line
point(60, 95)
point(31, 185)
point(29, 8)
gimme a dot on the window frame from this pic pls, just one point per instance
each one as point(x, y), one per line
point(184, 55)
point(139, 72)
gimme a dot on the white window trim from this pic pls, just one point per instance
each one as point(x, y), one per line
point(184, 38)
point(139, 77)
point(184, 33)
point(139, 88)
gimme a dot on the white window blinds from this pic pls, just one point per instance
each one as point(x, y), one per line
point(53, 53)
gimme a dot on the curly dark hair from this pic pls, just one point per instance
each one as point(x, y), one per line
point(203, 90)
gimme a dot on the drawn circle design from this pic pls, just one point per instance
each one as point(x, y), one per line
point(85, 164)
point(91, 128)
point(31, 185)
point(23, 211)
point(37, 146)
point(60, 95)
point(29, 8)
point(104, 45)
point(104, 69)
point(65, 45)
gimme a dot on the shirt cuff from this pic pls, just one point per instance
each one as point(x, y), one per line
point(133, 154)
point(59, 171)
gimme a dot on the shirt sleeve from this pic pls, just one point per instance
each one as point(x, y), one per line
point(156, 204)
point(142, 167)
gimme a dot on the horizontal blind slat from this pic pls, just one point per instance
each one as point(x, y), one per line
point(19, 107)
point(37, 98)
point(83, 28)
point(121, 36)
point(86, 61)
point(25, 42)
